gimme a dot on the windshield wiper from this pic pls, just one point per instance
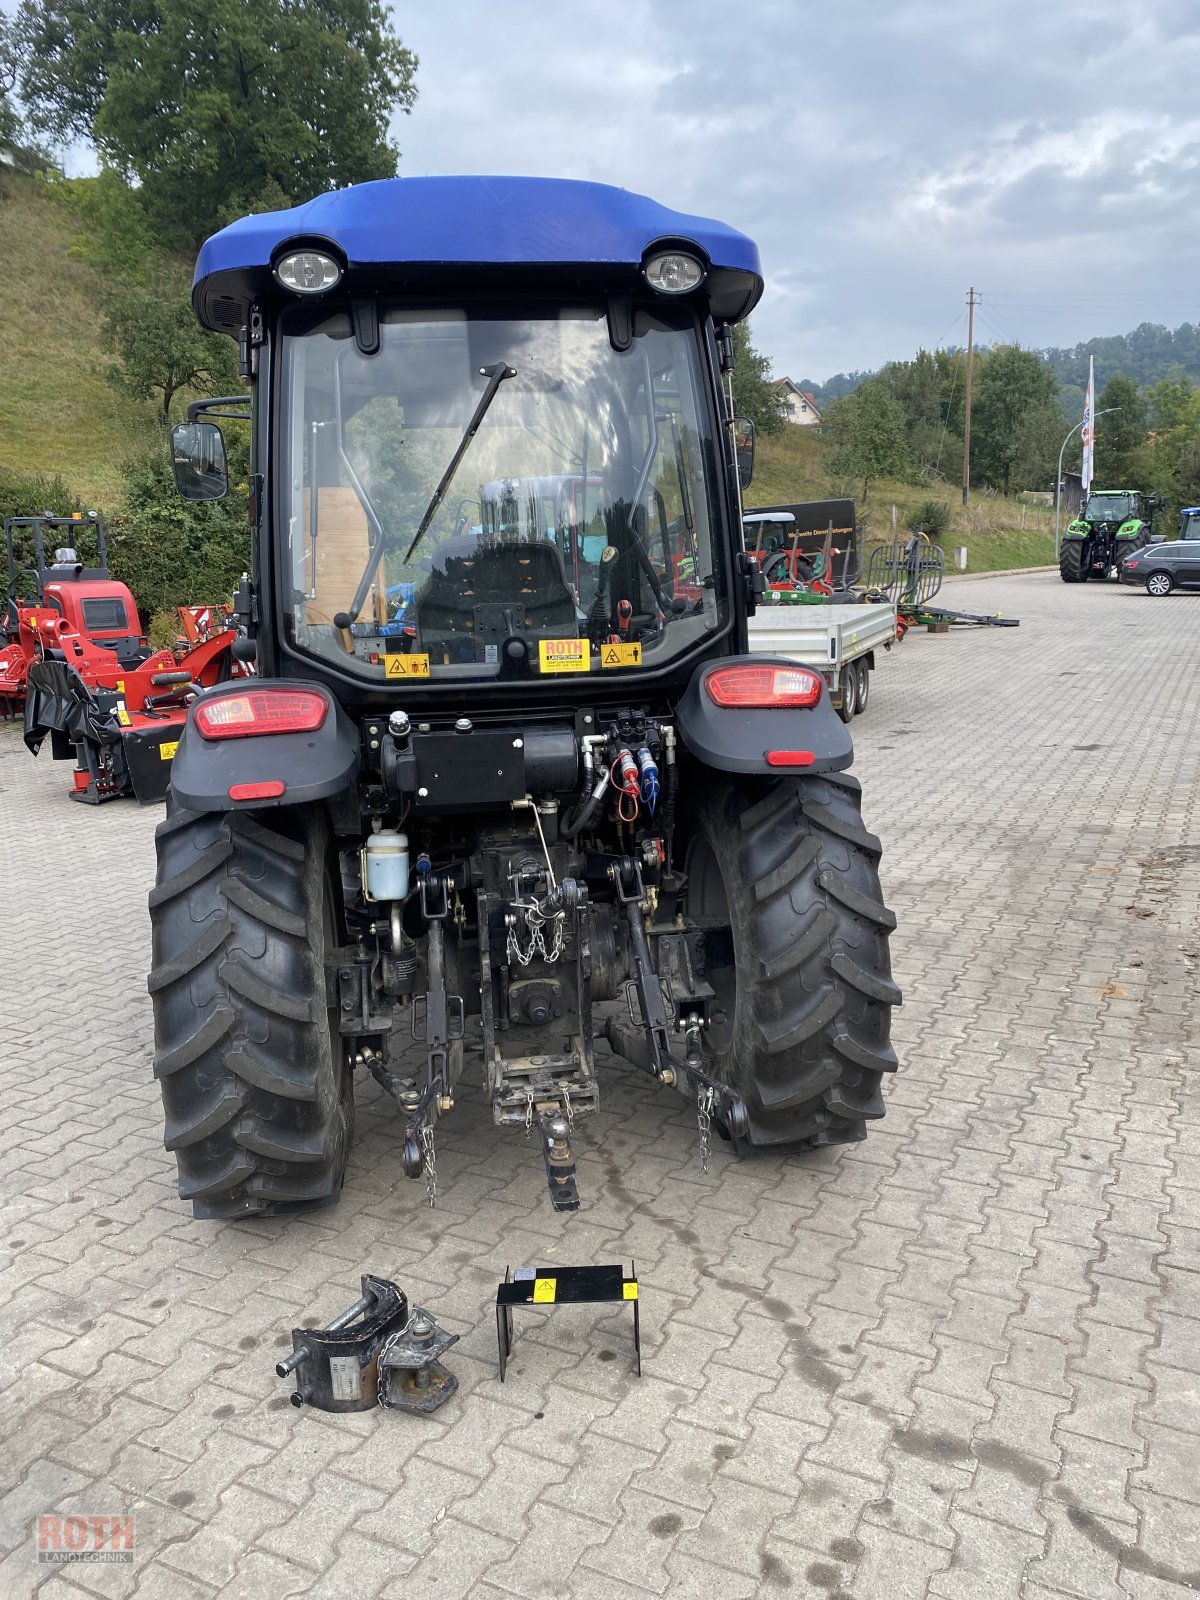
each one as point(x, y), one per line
point(495, 374)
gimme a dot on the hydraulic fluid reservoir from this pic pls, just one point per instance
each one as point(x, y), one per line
point(385, 865)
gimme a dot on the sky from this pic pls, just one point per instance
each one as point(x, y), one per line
point(886, 157)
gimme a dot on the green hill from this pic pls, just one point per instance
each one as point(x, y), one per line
point(997, 533)
point(58, 414)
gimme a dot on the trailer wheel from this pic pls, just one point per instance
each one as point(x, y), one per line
point(1070, 562)
point(864, 685)
point(784, 879)
point(257, 1089)
point(848, 692)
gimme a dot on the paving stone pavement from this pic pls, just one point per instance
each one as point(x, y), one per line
point(959, 1360)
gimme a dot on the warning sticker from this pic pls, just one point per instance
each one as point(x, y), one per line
point(123, 717)
point(167, 751)
point(543, 1291)
point(564, 655)
point(407, 666)
point(629, 1291)
point(620, 655)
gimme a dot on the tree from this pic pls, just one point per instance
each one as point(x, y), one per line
point(9, 68)
point(753, 394)
point(867, 428)
point(1016, 420)
point(160, 346)
point(216, 110)
point(1119, 434)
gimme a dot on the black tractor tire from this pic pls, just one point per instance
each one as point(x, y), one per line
point(784, 878)
point(257, 1088)
point(1071, 567)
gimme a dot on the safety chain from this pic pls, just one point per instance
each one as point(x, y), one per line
point(381, 1383)
point(528, 1114)
point(705, 1100)
point(535, 921)
point(567, 1106)
point(429, 1163)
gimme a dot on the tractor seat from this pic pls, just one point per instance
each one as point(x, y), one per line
point(483, 591)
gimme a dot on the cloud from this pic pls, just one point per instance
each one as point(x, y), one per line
point(884, 157)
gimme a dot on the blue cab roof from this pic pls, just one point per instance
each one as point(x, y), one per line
point(469, 221)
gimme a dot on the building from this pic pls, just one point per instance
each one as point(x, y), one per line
point(800, 406)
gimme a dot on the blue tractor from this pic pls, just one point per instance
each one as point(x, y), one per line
point(505, 780)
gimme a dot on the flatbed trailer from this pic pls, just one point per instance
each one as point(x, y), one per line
point(839, 641)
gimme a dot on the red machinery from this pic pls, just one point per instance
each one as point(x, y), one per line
point(87, 675)
point(86, 598)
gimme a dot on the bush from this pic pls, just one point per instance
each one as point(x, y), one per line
point(25, 494)
point(932, 518)
point(173, 553)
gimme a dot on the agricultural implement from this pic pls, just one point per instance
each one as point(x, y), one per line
point(807, 547)
point(41, 595)
point(910, 572)
point(508, 782)
point(87, 676)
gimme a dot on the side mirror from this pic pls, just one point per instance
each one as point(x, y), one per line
point(198, 457)
point(744, 433)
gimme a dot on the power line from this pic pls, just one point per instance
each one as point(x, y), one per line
point(971, 301)
point(937, 465)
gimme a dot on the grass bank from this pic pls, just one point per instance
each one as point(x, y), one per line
point(997, 532)
point(58, 413)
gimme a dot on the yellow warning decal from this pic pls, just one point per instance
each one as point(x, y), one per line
point(629, 1290)
point(120, 685)
point(407, 666)
point(620, 655)
point(564, 655)
point(543, 1291)
point(123, 717)
point(167, 751)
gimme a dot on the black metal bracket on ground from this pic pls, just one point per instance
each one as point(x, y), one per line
point(337, 1365)
point(411, 1378)
point(562, 1286)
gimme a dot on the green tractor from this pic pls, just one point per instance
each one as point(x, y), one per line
point(1112, 524)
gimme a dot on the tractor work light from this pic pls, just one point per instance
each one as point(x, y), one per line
point(308, 272)
point(744, 687)
point(674, 272)
point(241, 716)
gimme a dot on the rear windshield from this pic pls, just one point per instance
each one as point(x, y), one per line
point(99, 615)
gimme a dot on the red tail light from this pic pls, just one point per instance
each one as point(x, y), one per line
point(261, 710)
point(269, 789)
point(748, 687)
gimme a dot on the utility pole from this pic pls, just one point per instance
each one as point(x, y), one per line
point(971, 300)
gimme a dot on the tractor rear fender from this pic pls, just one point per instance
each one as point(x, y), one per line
point(311, 766)
point(768, 739)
